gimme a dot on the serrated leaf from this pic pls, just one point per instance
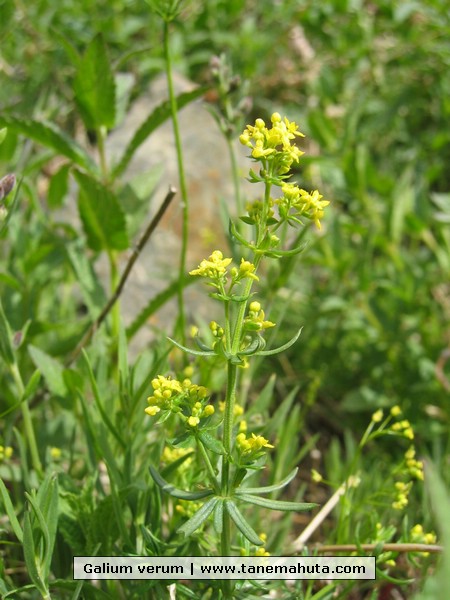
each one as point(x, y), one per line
point(198, 518)
point(58, 187)
point(103, 218)
point(95, 88)
point(49, 135)
point(175, 492)
point(275, 504)
point(157, 118)
point(51, 369)
point(270, 488)
point(244, 527)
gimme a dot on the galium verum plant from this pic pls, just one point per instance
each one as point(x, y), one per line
point(230, 453)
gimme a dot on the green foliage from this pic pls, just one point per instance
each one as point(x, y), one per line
point(369, 84)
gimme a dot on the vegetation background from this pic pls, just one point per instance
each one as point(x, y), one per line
point(369, 84)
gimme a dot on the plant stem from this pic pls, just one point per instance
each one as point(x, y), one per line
point(27, 421)
point(182, 178)
point(114, 281)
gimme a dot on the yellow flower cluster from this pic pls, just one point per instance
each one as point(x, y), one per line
point(296, 203)
point(268, 143)
point(214, 267)
point(246, 271)
point(5, 452)
point(402, 492)
point(415, 467)
point(418, 536)
point(255, 320)
point(253, 444)
point(165, 390)
point(404, 428)
point(179, 397)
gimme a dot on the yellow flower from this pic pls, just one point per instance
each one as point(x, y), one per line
point(396, 411)
point(377, 416)
point(316, 476)
point(193, 421)
point(55, 453)
point(214, 267)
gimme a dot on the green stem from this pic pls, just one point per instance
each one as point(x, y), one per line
point(183, 186)
point(27, 421)
point(114, 281)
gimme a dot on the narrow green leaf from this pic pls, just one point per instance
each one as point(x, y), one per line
point(176, 464)
point(158, 116)
point(30, 557)
point(92, 291)
point(269, 488)
point(175, 492)
point(98, 402)
point(42, 526)
point(95, 88)
point(6, 349)
point(245, 528)
point(218, 517)
point(9, 508)
point(31, 387)
point(283, 347)
point(190, 350)
point(51, 369)
point(102, 216)
point(198, 518)
point(50, 136)
point(155, 304)
point(275, 504)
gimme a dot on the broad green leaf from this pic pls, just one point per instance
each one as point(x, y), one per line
point(51, 369)
point(270, 488)
point(95, 88)
point(275, 504)
point(3, 134)
point(103, 218)
point(6, 349)
point(158, 116)
point(199, 517)
point(49, 135)
point(212, 443)
point(175, 492)
point(9, 508)
point(58, 187)
point(245, 528)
